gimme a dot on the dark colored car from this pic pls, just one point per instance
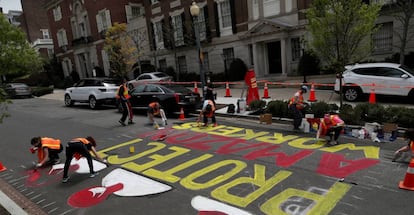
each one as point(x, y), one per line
point(15, 90)
point(171, 97)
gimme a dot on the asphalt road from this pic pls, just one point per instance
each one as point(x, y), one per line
point(239, 167)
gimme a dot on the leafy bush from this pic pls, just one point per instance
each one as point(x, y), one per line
point(257, 105)
point(367, 112)
point(278, 108)
point(319, 109)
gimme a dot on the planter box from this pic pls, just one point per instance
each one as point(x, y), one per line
point(265, 118)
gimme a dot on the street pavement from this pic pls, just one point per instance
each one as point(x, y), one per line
point(283, 93)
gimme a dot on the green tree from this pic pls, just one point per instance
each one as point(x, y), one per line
point(17, 58)
point(121, 50)
point(341, 31)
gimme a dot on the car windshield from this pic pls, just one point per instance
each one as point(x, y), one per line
point(160, 75)
point(407, 69)
point(111, 82)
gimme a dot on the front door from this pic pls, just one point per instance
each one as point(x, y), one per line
point(274, 57)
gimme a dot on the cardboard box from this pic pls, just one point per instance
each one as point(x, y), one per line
point(389, 127)
point(266, 118)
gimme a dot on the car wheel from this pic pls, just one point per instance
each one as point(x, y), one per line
point(93, 103)
point(131, 86)
point(352, 94)
point(68, 101)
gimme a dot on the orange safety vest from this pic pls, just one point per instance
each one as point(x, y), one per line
point(47, 142)
point(125, 94)
point(82, 140)
point(153, 105)
point(299, 103)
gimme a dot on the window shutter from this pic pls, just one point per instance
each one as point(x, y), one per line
point(183, 27)
point(233, 16)
point(65, 39)
point(217, 21)
point(128, 11)
point(99, 23)
point(108, 18)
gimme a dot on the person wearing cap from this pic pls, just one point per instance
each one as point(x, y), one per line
point(48, 150)
point(78, 147)
point(408, 135)
point(331, 125)
point(297, 106)
point(208, 111)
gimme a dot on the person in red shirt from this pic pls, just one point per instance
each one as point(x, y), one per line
point(208, 111)
point(331, 125)
point(409, 135)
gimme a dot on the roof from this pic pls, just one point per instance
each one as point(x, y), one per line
point(365, 65)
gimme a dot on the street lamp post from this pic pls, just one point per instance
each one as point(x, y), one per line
point(195, 11)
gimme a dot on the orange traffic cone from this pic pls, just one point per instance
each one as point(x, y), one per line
point(182, 117)
point(2, 168)
point(408, 182)
point(372, 94)
point(227, 90)
point(266, 91)
point(312, 96)
point(195, 87)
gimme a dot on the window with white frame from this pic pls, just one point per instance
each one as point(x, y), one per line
point(178, 30)
point(182, 64)
point(62, 39)
point(271, 7)
point(158, 33)
point(296, 49)
point(383, 38)
point(57, 13)
point(103, 20)
point(45, 33)
point(134, 11)
point(225, 20)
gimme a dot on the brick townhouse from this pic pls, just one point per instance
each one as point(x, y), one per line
point(35, 24)
point(268, 35)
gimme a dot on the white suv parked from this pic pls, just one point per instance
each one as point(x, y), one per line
point(384, 78)
point(95, 91)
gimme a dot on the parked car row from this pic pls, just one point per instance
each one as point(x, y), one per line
point(99, 91)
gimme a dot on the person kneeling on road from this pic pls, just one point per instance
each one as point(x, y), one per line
point(331, 125)
point(80, 147)
point(48, 150)
point(154, 109)
point(208, 111)
point(408, 135)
